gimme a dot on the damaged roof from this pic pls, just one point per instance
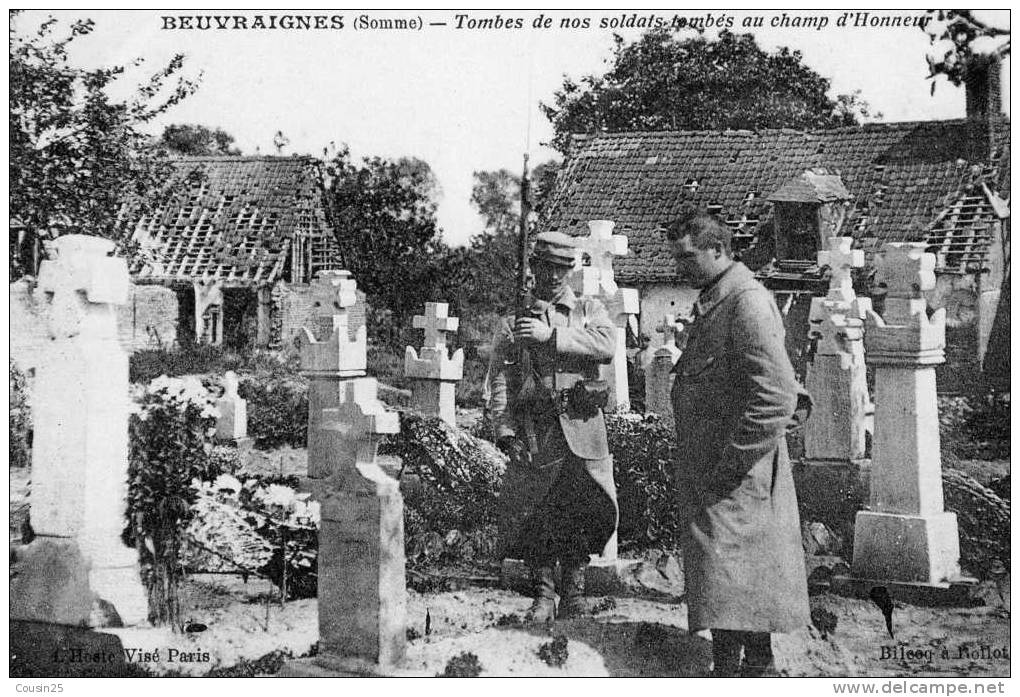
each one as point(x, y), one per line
point(243, 220)
point(901, 178)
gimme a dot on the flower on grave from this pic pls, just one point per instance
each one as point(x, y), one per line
point(277, 495)
point(227, 482)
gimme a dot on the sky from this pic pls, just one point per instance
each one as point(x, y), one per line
point(462, 99)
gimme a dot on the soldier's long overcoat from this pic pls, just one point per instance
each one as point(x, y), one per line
point(734, 397)
point(583, 337)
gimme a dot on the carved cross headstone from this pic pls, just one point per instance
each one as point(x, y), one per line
point(659, 374)
point(906, 536)
point(232, 423)
point(841, 260)
point(361, 538)
point(907, 272)
point(332, 294)
point(80, 453)
point(436, 322)
point(670, 330)
point(601, 245)
point(435, 372)
point(836, 433)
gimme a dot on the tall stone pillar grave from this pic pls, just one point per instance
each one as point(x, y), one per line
point(435, 372)
point(907, 536)
point(835, 377)
point(80, 456)
point(361, 595)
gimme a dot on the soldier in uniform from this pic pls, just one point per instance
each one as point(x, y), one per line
point(734, 397)
point(558, 500)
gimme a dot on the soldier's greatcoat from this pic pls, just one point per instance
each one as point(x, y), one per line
point(583, 337)
point(734, 397)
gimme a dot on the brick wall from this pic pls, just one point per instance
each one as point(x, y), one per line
point(148, 319)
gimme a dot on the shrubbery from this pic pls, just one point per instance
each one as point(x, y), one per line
point(277, 397)
point(258, 524)
point(19, 419)
point(643, 448)
point(170, 446)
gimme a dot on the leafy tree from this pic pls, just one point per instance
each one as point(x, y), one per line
point(661, 82)
point(77, 156)
point(384, 215)
point(959, 39)
point(195, 139)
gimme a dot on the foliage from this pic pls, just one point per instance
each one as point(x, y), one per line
point(975, 426)
point(19, 419)
point(661, 82)
point(643, 450)
point(170, 441)
point(277, 399)
point(79, 162)
point(258, 524)
point(384, 213)
point(188, 359)
point(554, 653)
point(463, 665)
point(959, 40)
point(195, 139)
point(451, 483)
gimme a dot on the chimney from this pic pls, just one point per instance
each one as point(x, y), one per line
point(983, 85)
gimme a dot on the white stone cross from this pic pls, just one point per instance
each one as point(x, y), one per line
point(436, 322)
point(332, 351)
point(361, 420)
point(841, 260)
point(670, 329)
point(601, 245)
point(332, 293)
point(906, 269)
point(83, 281)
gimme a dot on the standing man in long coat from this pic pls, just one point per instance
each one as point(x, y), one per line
point(558, 500)
point(734, 397)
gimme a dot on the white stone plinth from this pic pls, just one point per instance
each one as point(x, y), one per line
point(906, 548)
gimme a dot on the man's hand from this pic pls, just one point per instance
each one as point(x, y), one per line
point(532, 331)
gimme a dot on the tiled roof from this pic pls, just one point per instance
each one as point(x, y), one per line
point(243, 220)
point(901, 176)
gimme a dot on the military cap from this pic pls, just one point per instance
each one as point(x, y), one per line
point(555, 248)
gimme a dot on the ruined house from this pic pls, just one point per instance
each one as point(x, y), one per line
point(239, 242)
point(782, 191)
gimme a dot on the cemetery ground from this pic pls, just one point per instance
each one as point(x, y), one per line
point(459, 609)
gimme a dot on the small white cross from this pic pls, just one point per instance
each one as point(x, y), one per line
point(436, 322)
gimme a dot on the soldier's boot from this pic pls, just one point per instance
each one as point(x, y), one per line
point(573, 604)
point(726, 649)
point(758, 659)
point(543, 609)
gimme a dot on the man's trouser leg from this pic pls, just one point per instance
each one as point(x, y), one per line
point(726, 647)
point(543, 609)
point(758, 660)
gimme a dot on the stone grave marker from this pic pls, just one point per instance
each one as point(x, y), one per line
point(232, 423)
point(361, 592)
point(906, 536)
point(598, 280)
point(659, 374)
point(435, 372)
point(80, 453)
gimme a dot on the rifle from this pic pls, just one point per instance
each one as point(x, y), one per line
point(526, 388)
